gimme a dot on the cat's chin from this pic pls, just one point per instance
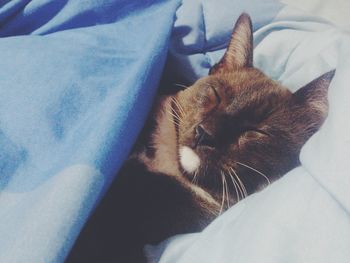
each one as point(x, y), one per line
point(189, 159)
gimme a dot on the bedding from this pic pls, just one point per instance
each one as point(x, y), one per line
point(76, 83)
point(77, 79)
point(304, 216)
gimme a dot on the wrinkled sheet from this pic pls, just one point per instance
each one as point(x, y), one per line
point(77, 79)
point(305, 216)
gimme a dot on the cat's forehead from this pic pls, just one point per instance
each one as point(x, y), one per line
point(248, 84)
point(244, 91)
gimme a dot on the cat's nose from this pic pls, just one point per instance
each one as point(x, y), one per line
point(203, 138)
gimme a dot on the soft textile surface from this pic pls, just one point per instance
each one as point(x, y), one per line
point(305, 216)
point(336, 11)
point(77, 79)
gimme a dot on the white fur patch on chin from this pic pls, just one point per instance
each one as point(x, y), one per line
point(189, 160)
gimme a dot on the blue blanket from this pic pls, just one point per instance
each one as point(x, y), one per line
point(76, 83)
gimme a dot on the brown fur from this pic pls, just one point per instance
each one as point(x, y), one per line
point(247, 131)
point(257, 122)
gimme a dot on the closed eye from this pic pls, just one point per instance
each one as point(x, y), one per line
point(217, 96)
point(257, 130)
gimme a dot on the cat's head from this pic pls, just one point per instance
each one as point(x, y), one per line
point(239, 126)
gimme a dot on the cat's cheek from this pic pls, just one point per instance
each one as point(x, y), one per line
point(189, 160)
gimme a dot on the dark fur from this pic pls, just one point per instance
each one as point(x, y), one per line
point(236, 114)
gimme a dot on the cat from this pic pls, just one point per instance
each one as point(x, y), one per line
point(203, 149)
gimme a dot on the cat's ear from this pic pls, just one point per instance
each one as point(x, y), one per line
point(313, 96)
point(239, 52)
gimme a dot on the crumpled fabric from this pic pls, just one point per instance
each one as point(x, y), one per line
point(77, 79)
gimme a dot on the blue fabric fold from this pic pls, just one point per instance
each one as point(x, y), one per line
point(76, 84)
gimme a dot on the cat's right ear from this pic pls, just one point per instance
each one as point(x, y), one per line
point(239, 52)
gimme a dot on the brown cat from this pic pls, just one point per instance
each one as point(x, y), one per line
point(225, 137)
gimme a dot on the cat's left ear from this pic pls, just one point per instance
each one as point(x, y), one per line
point(314, 95)
point(239, 52)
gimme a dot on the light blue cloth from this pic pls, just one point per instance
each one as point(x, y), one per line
point(76, 83)
point(77, 79)
point(305, 216)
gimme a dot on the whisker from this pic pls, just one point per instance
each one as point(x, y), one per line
point(227, 193)
point(255, 170)
point(239, 186)
point(172, 121)
point(175, 122)
point(178, 104)
point(180, 85)
point(175, 117)
point(174, 100)
point(174, 113)
point(234, 184)
point(240, 183)
point(194, 179)
point(180, 107)
point(223, 194)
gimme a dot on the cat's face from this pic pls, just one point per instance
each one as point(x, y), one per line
point(237, 129)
